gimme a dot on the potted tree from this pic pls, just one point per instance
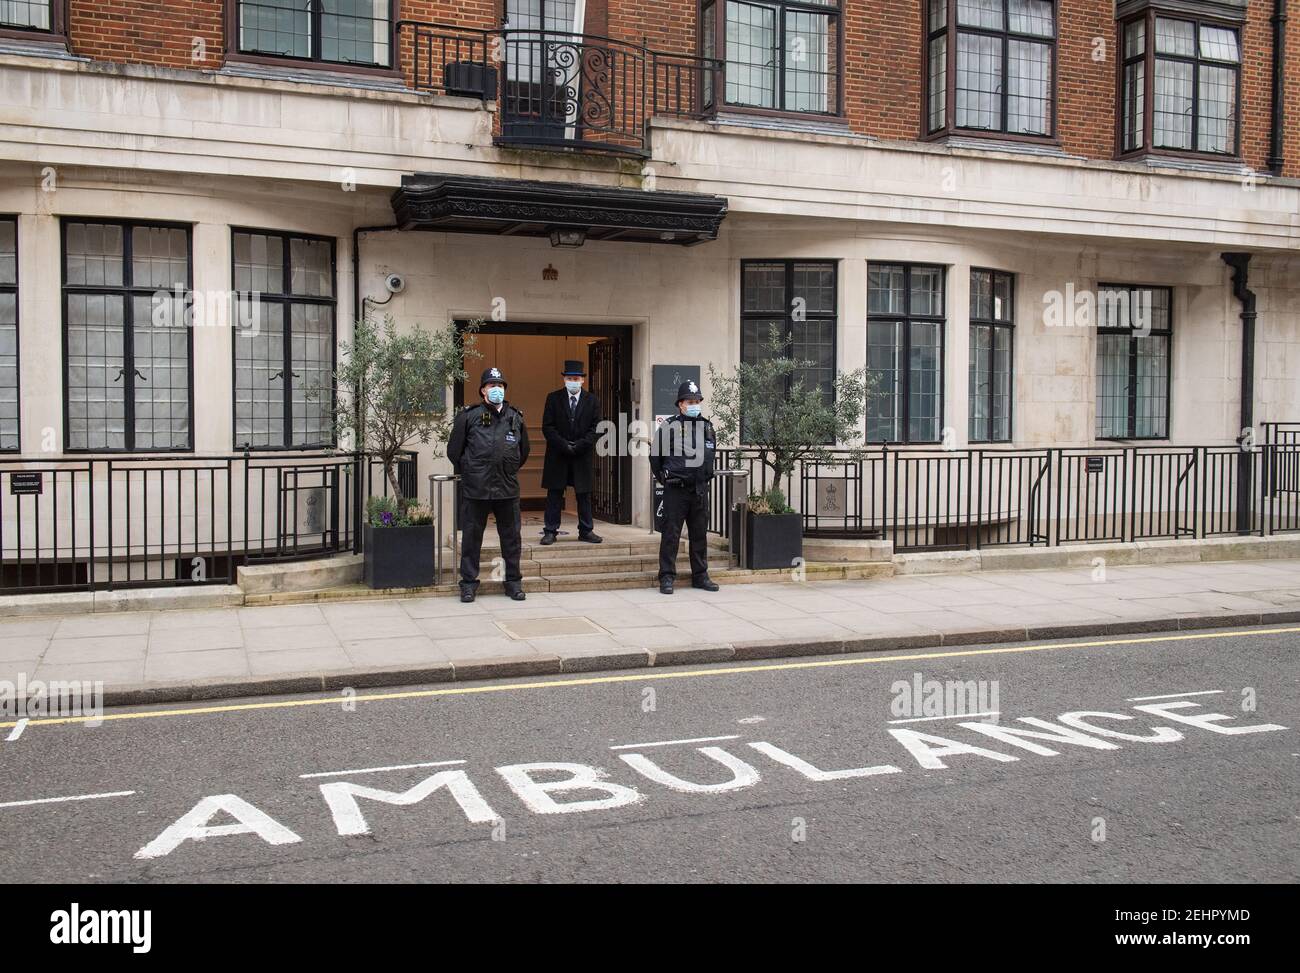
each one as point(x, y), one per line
point(769, 406)
point(392, 393)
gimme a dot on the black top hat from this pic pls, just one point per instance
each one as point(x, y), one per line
point(492, 374)
point(689, 390)
point(573, 368)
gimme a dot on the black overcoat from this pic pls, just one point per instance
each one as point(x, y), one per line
point(562, 467)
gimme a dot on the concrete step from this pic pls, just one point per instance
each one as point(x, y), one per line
point(616, 565)
point(262, 579)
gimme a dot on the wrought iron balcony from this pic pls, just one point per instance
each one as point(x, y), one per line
point(562, 90)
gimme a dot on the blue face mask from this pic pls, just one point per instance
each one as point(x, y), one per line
point(693, 410)
point(573, 387)
point(496, 395)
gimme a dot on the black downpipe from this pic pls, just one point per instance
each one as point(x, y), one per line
point(1276, 154)
point(358, 313)
point(1240, 264)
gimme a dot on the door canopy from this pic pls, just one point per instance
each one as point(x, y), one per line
point(569, 213)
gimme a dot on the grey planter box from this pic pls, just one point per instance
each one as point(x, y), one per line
point(771, 540)
point(398, 557)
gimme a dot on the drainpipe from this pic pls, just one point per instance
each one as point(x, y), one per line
point(1240, 264)
point(362, 471)
point(1276, 159)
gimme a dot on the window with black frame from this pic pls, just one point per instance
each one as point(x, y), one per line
point(9, 409)
point(905, 326)
point(1134, 334)
point(798, 298)
point(992, 341)
point(27, 14)
point(991, 66)
point(780, 55)
point(284, 340)
point(1180, 85)
point(127, 375)
point(356, 32)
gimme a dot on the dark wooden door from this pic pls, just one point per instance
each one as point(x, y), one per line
point(603, 365)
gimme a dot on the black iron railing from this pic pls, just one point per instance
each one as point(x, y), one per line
point(966, 499)
point(558, 89)
point(91, 523)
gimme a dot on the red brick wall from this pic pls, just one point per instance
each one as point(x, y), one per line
point(1291, 141)
point(148, 31)
point(1085, 101)
point(883, 69)
point(883, 83)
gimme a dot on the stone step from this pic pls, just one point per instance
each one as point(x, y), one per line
point(616, 565)
point(263, 579)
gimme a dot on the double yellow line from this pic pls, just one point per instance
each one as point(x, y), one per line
point(640, 676)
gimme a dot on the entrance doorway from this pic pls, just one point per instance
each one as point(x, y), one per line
point(532, 357)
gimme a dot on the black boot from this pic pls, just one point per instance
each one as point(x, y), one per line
point(706, 583)
point(665, 586)
point(548, 538)
point(591, 537)
point(467, 592)
point(515, 590)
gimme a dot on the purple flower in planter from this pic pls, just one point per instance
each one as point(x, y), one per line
point(387, 518)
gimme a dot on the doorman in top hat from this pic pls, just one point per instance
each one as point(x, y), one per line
point(488, 445)
point(569, 423)
point(682, 461)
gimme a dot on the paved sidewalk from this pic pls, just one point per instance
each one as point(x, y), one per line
point(162, 656)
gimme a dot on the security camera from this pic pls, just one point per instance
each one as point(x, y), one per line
point(395, 283)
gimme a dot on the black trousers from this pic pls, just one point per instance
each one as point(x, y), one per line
point(684, 505)
point(555, 504)
point(475, 515)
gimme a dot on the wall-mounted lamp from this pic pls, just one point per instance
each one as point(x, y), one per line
point(567, 237)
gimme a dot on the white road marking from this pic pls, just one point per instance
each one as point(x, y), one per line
point(17, 731)
point(60, 800)
point(377, 770)
point(1203, 692)
point(955, 716)
point(669, 743)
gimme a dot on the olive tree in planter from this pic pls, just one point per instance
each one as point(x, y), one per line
point(392, 393)
point(769, 407)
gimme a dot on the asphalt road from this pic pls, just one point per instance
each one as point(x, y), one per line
point(1192, 805)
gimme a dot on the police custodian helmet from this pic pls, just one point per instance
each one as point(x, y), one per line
point(492, 374)
point(689, 390)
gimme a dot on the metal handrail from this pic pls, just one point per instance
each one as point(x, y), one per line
point(436, 480)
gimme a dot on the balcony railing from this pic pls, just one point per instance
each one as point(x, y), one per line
point(562, 90)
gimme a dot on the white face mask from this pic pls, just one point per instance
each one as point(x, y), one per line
point(573, 387)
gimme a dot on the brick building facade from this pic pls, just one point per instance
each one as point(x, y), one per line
point(965, 198)
point(882, 71)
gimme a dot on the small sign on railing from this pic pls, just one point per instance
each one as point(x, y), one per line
point(26, 484)
point(1095, 464)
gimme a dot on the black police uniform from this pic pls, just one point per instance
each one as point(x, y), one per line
point(683, 462)
point(487, 447)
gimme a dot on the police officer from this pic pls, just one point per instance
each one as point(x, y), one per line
point(488, 445)
point(683, 462)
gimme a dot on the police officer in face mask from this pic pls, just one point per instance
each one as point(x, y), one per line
point(683, 462)
point(488, 445)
